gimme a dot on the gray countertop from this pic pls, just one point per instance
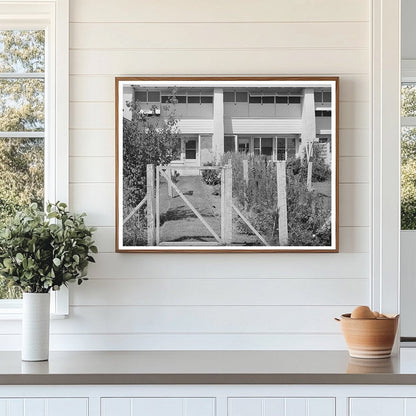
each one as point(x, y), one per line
point(207, 367)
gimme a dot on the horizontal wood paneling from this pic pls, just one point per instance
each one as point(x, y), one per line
point(354, 169)
point(354, 142)
point(218, 35)
point(352, 239)
point(88, 169)
point(219, 62)
point(242, 125)
point(258, 301)
point(146, 342)
point(92, 115)
point(220, 291)
point(354, 208)
point(218, 11)
point(201, 319)
point(93, 143)
point(353, 115)
point(198, 266)
point(96, 199)
point(105, 239)
point(194, 320)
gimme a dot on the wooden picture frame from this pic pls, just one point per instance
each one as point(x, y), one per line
point(227, 164)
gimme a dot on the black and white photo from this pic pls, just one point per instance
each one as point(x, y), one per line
point(227, 164)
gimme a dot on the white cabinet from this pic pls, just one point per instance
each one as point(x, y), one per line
point(281, 406)
point(146, 406)
point(44, 407)
point(382, 406)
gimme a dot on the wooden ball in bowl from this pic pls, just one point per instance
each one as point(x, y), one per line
point(369, 337)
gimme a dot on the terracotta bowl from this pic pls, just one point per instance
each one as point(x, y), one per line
point(369, 338)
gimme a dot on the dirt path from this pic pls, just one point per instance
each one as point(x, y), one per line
point(180, 224)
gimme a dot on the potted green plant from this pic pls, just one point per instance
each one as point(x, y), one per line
point(40, 252)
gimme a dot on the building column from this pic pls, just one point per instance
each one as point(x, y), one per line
point(218, 121)
point(308, 119)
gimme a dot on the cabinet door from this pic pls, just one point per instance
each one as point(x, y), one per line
point(253, 406)
point(44, 407)
point(160, 406)
point(382, 407)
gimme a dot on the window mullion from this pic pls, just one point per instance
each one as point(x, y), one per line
point(22, 75)
point(22, 134)
point(408, 121)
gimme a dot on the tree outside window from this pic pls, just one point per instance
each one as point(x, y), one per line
point(22, 124)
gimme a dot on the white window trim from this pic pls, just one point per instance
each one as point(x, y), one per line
point(385, 150)
point(54, 15)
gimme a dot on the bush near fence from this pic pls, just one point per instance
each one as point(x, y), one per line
point(308, 213)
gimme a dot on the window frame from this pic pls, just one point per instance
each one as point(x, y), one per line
point(53, 17)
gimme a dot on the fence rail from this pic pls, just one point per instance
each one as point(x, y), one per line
point(152, 202)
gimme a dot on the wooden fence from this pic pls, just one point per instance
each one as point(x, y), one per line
point(152, 202)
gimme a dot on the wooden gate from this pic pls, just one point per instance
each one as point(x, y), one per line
point(225, 237)
point(152, 202)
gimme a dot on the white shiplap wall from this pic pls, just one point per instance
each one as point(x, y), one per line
point(181, 301)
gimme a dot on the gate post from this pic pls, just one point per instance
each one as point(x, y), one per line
point(282, 202)
point(245, 171)
point(169, 173)
point(150, 188)
point(226, 205)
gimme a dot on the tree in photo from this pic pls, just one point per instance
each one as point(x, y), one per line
point(147, 139)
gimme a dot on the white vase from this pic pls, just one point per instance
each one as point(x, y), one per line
point(35, 326)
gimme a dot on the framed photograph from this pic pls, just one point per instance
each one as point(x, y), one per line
point(235, 164)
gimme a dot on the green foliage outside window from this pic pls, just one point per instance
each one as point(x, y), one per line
point(408, 160)
point(21, 110)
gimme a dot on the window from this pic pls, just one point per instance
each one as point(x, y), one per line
point(179, 99)
point(254, 99)
point(173, 99)
point(291, 99)
point(263, 146)
point(147, 96)
point(322, 113)
point(22, 124)
point(294, 100)
point(285, 148)
point(190, 149)
point(322, 96)
point(229, 97)
point(408, 156)
point(200, 99)
point(243, 144)
point(33, 113)
point(235, 96)
point(22, 118)
point(241, 97)
point(267, 99)
point(229, 144)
